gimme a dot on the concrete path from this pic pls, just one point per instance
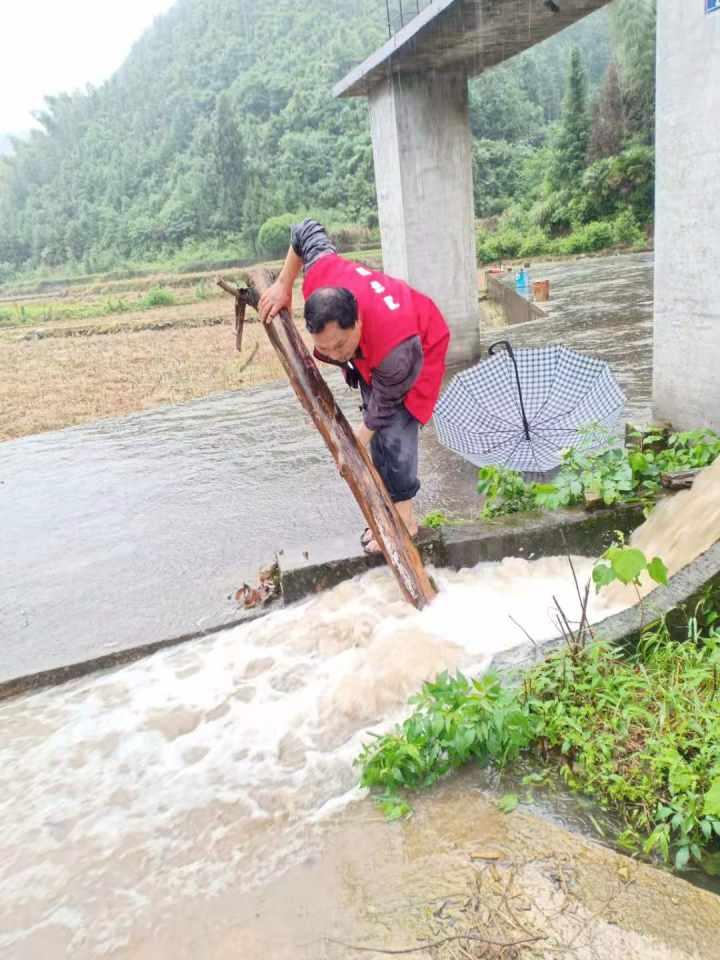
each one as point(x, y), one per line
point(456, 874)
point(602, 306)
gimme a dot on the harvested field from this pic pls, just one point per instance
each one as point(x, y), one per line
point(61, 381)
point(70, 355)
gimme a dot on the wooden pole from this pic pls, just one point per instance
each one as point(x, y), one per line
point(354, 464)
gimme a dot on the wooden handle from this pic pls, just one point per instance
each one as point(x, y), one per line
point(355, 466)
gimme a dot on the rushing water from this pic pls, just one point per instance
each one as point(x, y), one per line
point(125, 795)
point(679, 529)
point(130, 798)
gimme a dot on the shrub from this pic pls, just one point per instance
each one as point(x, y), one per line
point(350, 236)
point(158, 297)
point(273, 238)
point(585, 238)
point(496, 246)
point(626, 230)
point(535, 242)
point(622, 181)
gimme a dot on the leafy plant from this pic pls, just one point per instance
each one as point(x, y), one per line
point(615, 474)
point(435, 519)
point(690, 450)
point(627, 564)
point(508, 803)
point(606, 474)
point(505, 492)
point(455, 720)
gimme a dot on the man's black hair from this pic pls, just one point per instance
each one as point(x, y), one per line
point(330, 304)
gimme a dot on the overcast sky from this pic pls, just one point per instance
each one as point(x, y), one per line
point(52, 46)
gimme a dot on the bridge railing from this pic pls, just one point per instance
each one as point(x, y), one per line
point(401, 12)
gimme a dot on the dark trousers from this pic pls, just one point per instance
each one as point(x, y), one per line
point(394, 451)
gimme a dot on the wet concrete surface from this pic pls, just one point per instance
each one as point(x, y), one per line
point(129, 531)
point(458, 876)
point(601, 306)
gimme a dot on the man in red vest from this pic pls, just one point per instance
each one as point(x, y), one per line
point(390, 340)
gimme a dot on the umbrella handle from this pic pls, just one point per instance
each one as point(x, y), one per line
point(511, 354)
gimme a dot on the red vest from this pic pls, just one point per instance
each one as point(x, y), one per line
point(391, 312)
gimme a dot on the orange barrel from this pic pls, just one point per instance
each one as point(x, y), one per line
point(541, 290)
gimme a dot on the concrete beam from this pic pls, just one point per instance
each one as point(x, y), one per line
point(464, 36)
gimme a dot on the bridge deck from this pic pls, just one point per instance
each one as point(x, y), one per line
point(464, 34)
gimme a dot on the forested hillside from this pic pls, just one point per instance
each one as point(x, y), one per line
point(222, 117)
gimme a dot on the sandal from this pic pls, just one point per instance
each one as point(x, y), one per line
point(368, 537)
point(366, 548)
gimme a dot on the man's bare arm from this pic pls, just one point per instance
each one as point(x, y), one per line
point(279, 295)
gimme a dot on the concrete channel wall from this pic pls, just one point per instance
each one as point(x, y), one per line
point(456, 546)
point(307, 573)
point(517, 308)
point(674, 602)
point(463, 545)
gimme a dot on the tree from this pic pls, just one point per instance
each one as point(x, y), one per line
point(497, 168)
point(572, 141)
point(229, 156)
point(633, 26)
point(609, 124)
point(501, 110)
point(203, 134)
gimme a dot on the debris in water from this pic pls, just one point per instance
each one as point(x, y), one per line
point(267, 589)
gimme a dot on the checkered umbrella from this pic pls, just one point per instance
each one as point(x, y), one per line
point(521, 408)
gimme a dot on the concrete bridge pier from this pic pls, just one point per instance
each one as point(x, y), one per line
point(422, 149)
point(687, 221)
point(416, 85)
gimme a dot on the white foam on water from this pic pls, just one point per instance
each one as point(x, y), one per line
point(205, 765)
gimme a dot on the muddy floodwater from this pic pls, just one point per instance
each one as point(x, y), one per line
point(128, 531)
point(130, 799)
point(201, 804)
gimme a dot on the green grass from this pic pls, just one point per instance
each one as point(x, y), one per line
point(26, 314)
point(637, 730)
